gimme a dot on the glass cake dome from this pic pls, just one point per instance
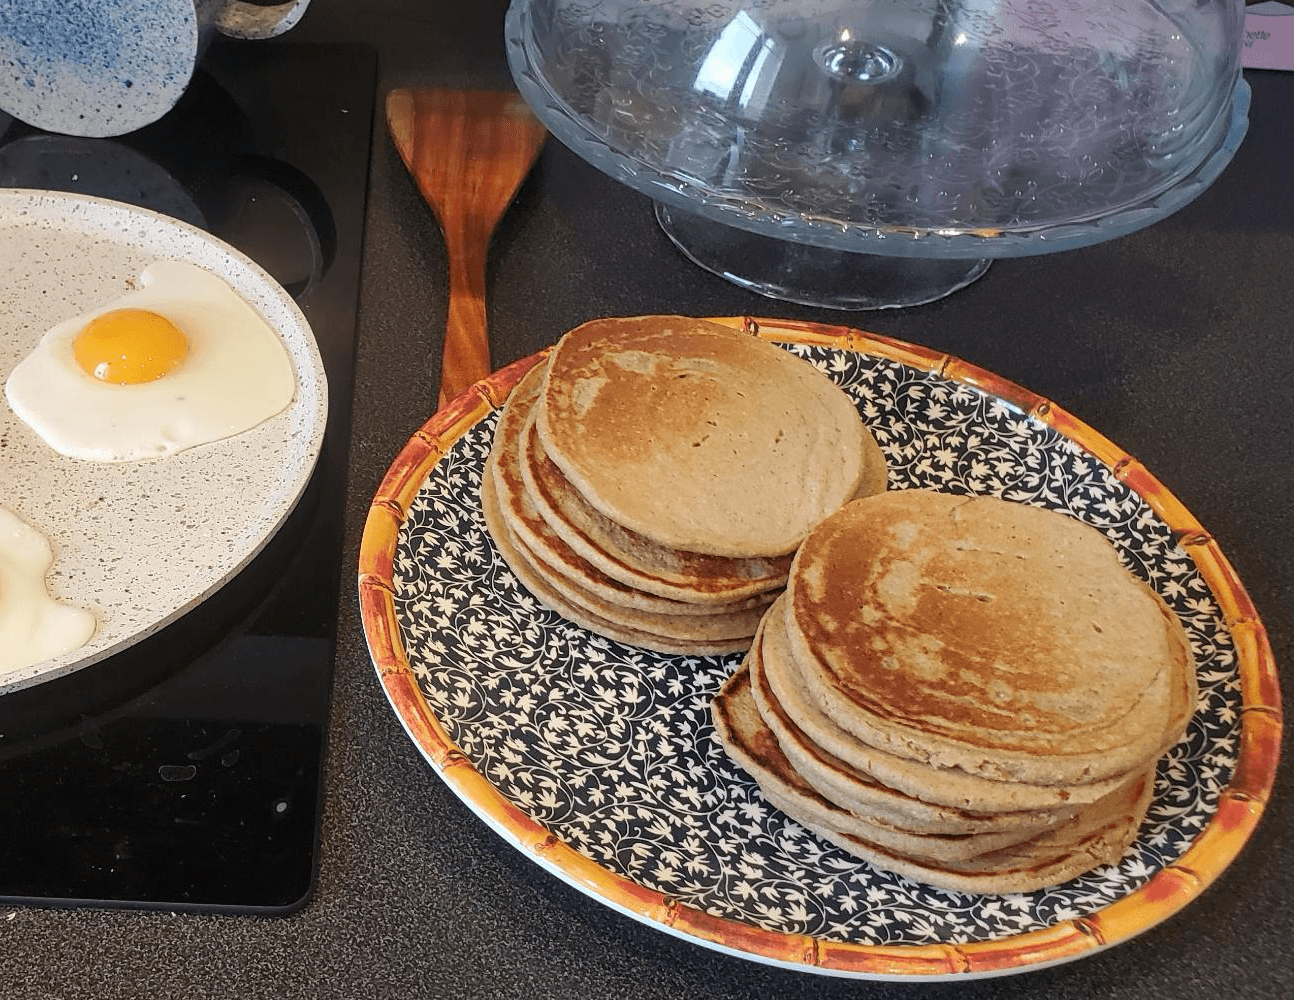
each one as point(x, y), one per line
point(872, 153)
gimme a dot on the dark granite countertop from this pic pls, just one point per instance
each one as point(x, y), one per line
point(1173, 342)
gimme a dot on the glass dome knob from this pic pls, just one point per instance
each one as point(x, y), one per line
point(853, 60)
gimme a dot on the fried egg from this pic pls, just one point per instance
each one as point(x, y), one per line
point(33, 626)
point(180, 360)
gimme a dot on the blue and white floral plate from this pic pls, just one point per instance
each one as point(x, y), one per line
point(598, 760)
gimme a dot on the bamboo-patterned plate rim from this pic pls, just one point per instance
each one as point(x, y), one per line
point(1240, 805)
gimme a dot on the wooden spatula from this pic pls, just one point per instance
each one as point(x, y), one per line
point(468, 151)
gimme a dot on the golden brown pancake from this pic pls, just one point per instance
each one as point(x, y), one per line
point(550, 597)
point(952, 787)
point(534, 535)
point(735, 627)
point(1096, 835)
point(944, 690)
point(983, 636)
point(876, 471)
point(876, 804)
point(1099, 836)
point(632, 559)
point(920, 797)
point(744, 446)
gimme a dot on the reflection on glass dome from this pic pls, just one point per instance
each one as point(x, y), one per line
point(941, 124)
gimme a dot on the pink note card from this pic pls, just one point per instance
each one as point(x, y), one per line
point(1269, 35)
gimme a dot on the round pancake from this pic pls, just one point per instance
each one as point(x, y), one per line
point(836, 763)
point(737, 626)
point(989, 637)
point(535, 536)
point(745, 446)
point(632, 559)
point(876, 472)
point(552, 599)
point(754, 746)
point(1098, 836)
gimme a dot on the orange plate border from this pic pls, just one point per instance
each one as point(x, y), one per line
point(1240, 806)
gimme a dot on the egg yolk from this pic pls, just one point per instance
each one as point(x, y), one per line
point(129, 346)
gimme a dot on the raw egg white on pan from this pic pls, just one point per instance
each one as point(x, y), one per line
point(33, 626)
point(179, 361)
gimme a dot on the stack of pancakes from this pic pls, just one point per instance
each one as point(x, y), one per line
point(969, 692)
point(652, 478)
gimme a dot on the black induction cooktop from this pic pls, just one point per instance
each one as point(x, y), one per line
point(185, 772)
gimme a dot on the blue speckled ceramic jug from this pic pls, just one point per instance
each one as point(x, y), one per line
point(108, 67)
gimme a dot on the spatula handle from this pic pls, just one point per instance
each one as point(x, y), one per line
point(468, 152)
point(465, 357)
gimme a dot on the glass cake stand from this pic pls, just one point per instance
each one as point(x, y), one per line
point(879, 154)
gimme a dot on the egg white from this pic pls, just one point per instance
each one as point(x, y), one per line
point(33, 626)
point(237, 374)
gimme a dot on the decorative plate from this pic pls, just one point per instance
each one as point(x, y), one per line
point(598, 760)
point(140, 543)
